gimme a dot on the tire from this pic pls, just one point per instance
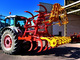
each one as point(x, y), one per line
point(9, 42)
point(71, 41)
point(26, 46)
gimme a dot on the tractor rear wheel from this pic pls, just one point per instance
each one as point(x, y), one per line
point(9, 42)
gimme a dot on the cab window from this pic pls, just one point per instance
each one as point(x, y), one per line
point(21, 22)
point(7, 21)
point(11, 21)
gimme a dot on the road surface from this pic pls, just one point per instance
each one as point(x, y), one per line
point(64, 52)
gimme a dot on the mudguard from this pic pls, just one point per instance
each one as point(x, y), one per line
point(16, 30)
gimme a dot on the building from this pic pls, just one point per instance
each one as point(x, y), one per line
point(73, 16)
point(73, 11)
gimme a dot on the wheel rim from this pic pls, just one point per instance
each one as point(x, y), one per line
point(7, 41)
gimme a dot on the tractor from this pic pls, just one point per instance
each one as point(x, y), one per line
point(20, 34)
point(13, 26)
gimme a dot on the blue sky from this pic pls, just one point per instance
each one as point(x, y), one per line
point(17, 7)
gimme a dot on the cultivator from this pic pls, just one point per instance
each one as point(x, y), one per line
point(58, 13)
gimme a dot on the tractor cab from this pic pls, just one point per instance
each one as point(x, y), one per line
point(15, 20)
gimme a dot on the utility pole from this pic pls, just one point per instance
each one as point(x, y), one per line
point(65, 25)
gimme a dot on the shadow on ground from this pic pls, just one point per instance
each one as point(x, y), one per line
point(68, 52)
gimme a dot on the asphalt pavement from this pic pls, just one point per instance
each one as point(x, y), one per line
point(64, 52)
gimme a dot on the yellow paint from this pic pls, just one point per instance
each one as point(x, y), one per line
point(56, 41)
point(57, 11)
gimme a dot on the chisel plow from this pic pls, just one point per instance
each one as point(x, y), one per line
point(36, 36)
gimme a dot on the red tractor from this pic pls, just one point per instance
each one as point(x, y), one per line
point(20, 33)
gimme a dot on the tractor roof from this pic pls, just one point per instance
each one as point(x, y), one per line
point(13, 16)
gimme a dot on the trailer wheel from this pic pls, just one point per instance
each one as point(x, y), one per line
point(9, 42)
